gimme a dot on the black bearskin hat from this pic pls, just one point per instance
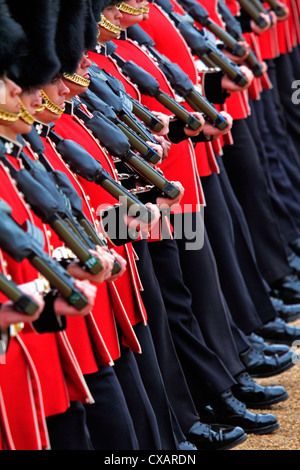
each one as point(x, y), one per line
point(91, 28)
point(98, 6)
point(12, 39)
point(70, 35)
point(38, 19)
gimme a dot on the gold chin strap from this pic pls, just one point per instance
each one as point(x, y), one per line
point(41, 108)
point(9, 117)
point(26, 116)
point(74, 78)
point(109, 26)
point(52, 107)
point(145, 9)
point(129, 9)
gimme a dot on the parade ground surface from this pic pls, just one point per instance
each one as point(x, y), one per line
point(288, 414)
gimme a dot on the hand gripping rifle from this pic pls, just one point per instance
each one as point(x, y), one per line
point(21, 245)
point(234, 28)
point(73, 214)
point(41, 193)
point(280, 12)
point(179, 80)
point(22, 302)
point(251, 9)
point(202, 47)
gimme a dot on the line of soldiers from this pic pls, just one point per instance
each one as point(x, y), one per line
point(149, 221)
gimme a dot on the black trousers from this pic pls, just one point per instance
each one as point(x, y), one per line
point(173, 376)
point(257, 287)
point(287, 74)
point(68, 431)
point(248, 181)
point(284, 198)
point(147, 362)
point(289, 184)
point(200, 275)
point(138, 402)
point(108, 420)
point(205, 372)
point(221, 234)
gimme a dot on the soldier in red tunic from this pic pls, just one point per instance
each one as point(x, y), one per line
point(34, 367)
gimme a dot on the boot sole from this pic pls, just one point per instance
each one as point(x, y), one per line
point(272, 374)
point(268, 404)
point(280, 341)
point(235, 443)
point(289, 318)
point(266, 430)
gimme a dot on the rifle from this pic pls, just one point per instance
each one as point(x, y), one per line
point(179, 80)
point(137, 136)
point(254, 13)
point(21, 245)
point(234, 28)
point(73, 216)
point(22, 302)
point(112, 92)
point(148, 85)
point(118, 146)
point(143, 113)
point(83, 164)
point(280, 12)
point(41, 193)
point(128, 103)
point(202, 47)
point(200, 14)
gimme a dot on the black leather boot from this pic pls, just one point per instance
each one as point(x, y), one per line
point(204, 437)
point(228, 411)
point(256, 396)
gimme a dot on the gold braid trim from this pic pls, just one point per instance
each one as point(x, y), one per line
point(145, 9)
point(9, 117)
point(109, 26)
point(74, 78)
point(26, 116)
point(52, 107)
point(129, 9)
point(41, 108)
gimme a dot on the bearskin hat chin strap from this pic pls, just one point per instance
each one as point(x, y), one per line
point(75, 78)
point(109, 26)
point(50, 106)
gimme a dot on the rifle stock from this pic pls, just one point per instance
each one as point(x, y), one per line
point(280, 12)
point(22, 302)
point(21, 245)
point(255, 14)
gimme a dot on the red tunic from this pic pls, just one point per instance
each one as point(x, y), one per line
point(34, 361)
point(180, 164)
point(125, 292)
point(163, 32)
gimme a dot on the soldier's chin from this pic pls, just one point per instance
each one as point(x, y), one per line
point(21, 127)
